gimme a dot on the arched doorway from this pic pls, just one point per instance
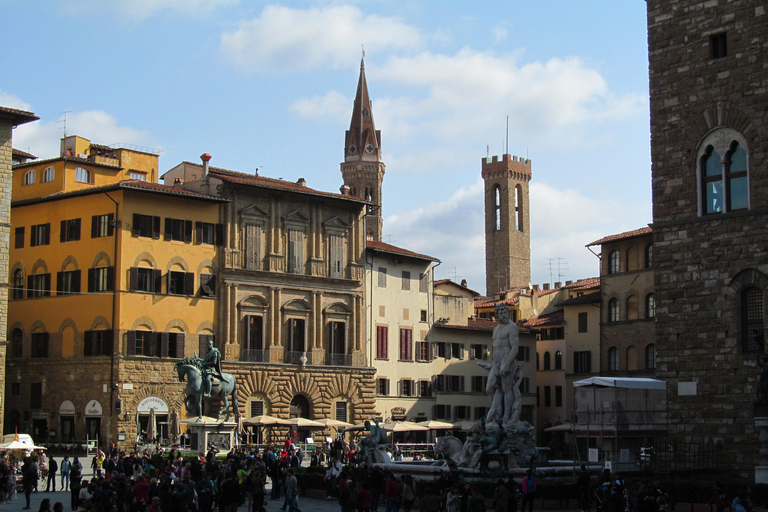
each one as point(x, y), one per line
point(300, 408)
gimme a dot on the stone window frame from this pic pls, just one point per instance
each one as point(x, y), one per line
point(614, 310)
point(744, 280)
point(650, 305)
point(29, 177)
point(613, 359)
point(650, 356)
point(614, 262)
point(721, 140)
point(49, 174)
point(295, 238)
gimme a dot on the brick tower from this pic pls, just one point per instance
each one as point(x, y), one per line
point(362, 169)
point(507, 223)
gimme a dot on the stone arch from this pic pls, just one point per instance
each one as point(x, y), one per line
point(342, 386)
point(101, 256)
point(98, 322)
point(716, 116)
point(747, 278)
point(16, 266)
point(176, 323)
point(206, 325)
point(69, 260)
point(143, 320)
point(207, 263)
point(297, 305)
point(16, 325)
point(169, 395)
point(300, 383)
point(177, 260)
point(256, 383)
point(303, 404)
point(67, 338)
point(38, 324)
point(144, 256)
point(38, 265)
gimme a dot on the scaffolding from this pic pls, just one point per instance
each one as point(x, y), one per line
point(619, 422)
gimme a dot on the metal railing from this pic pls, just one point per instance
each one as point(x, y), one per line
point(340, 359)
point(296, 358)
point(255, 355)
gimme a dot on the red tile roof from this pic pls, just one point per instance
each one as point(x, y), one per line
point(454, 283)
point(18, 116)
point(622, 236)
point(556, 318)
point(382, 247)
point(68, 159)
point(585, 284)
point(23, 154)
point(485, 302)
point(478, 324)
point(587, 298)
point(144, 186)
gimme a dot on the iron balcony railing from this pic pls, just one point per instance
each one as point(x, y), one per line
point(340, 359)
point(255, 355)
point(296, 358)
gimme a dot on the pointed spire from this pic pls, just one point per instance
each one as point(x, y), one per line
point(362, 137)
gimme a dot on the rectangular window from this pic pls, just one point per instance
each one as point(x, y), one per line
point(254, 332)
point(382, 343)
point(382, 387)
point(423, 283)
point(252, 246)
point(98, 343)
point(443, 412)
point(141, 343)
point(457, 350)
point(480, 412)
point(67, 282)
point(146, 226)
point(18, 235)
point(341, 410)
point(338, 332)
point(422, 351)
point(202, 342)
point(717, 45)
point(15, 388)
point(477, 351)
point(40, 344)
point(382, 277)
point(102, 225)
point(582, 322)
point(479, 383)
point(524, 354)
point(336, 256)
point(406, 345)
point(439, 383)
point(39, 285)
point(462, 412)
point(454, 383)
point(70, 230)
point(547, 396)
point(145, 279)
point(406, 280)
point(207, 285)
point(558, 396)
point(36, 395)
point(141, 176)
point(40, 234)
point(525, 385)
point(180, 283)
point(582, 362)
point(296, 334)
point(295, 251)
point(440, 349)
point(205, 233)
point(178, 230)
point(257, 408)
point(423, 316)
point(425, 388)
point(406, 387)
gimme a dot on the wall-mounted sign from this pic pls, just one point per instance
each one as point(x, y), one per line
point(152, 402)
point(398, 413)
point(67, 408)
point(93, 408)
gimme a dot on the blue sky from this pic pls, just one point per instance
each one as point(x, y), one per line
point(270, 86)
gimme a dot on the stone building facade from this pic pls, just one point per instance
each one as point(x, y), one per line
point(709, 94)
point(507, 223)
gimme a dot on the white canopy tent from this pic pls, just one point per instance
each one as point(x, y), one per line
point(622, 382)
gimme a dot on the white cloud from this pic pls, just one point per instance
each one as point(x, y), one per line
point(142, 9)
point(285, 39)
point(332, 105)
point(42, 139)
point(11, 101)
point(499, 33)
point(452, 231)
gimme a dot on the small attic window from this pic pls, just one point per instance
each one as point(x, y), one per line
point(718, 46)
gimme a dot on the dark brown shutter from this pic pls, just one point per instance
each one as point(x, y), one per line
point(59, 283)
point(30, 282)
point(95, 226)
point(198, 233)
point(163, 344)
point(77, 229)
point(136, 227)
point(47, 233)
point(133, 279)
point(168, 228)
point(188, 231)
point(33, 235)
point(130, 336)
point(110, 279)
point(91, 280)
point(77, 277)
point(110, 222)
point(156, 228)
point(158, 281)
point(47, 292)
point(88, 343)
point(219, 234)
point(189, 283)
point(109, 343)
point(63, 232)
point(179, 345)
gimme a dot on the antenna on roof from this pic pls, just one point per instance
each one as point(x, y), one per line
point(506, 147)
point(64, 120)
point(560, 267)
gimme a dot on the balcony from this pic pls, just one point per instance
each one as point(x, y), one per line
point(255, 356)
point(296, 358)
point(340, 359)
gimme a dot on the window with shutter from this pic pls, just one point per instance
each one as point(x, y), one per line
point(423, 283)
point(295, 251)
point(252, 249)
point(406, 345)
point(382, 277)
point(406, 282)
point(336, 257)
point(382, 342)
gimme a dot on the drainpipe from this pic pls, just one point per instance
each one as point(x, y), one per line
point(112, 384)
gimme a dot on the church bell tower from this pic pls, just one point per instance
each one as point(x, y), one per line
point(362, 169)
point(507, 223)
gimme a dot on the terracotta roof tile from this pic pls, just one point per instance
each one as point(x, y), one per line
point(23, 154)
point(478, 324)
point(556, 318)
point(585, 284)
point(20, 116)
point(382, 247)
point(588, 298)
point(68, 159)
point(449, 281)
point(489, 303)
point(622, 236)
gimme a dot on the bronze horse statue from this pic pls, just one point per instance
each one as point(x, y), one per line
point(191, 369)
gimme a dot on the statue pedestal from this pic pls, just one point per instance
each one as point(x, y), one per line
point(208, 432)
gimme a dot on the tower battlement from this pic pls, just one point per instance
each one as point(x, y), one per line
point(507, 165)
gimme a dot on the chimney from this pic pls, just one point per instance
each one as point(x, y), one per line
point(344, 189)
point(558, 284)
point(302, 182)
point(535, 287)
point(205, 157)
point(464, 283)
point(568, 283)
point(545, 286)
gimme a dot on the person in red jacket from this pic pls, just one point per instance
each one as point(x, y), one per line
point(529, 491)
point(364, 499)
point(140, 491)
point(392, 494)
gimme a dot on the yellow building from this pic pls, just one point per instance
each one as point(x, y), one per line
point(112, 276)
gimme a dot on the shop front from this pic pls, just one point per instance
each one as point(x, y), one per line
point(93, 415)
point(152, 419)
point(67, 414)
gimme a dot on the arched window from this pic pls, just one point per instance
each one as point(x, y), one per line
point(723, 172)
point(29, 177)
point(613, 310)
point(632, 306)
point(613, 359)
point(497, 207)
point(17, 343)
point(649, 256)
point(650, 357)
point(752, 319)
point(18, 284)
point(547, 363)
point(558, 360)
point(632, 362)
point(613, 262)
point(48, 174)
point(519, 207)
point(650, 306)
point(82, 175)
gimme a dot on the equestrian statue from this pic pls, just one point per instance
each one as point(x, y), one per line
point(205, 379)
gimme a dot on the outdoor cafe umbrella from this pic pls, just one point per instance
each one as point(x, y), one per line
point(402, 426)
point(436, 425)
point(330, 422)
point(265, 420)
point(305, 423)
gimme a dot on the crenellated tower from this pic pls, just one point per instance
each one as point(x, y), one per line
point(362, 169)
point(507, 223)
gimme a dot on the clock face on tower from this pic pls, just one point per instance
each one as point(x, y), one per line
point(369, 148)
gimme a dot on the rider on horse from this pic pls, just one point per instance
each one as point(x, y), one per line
point(211, 367)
